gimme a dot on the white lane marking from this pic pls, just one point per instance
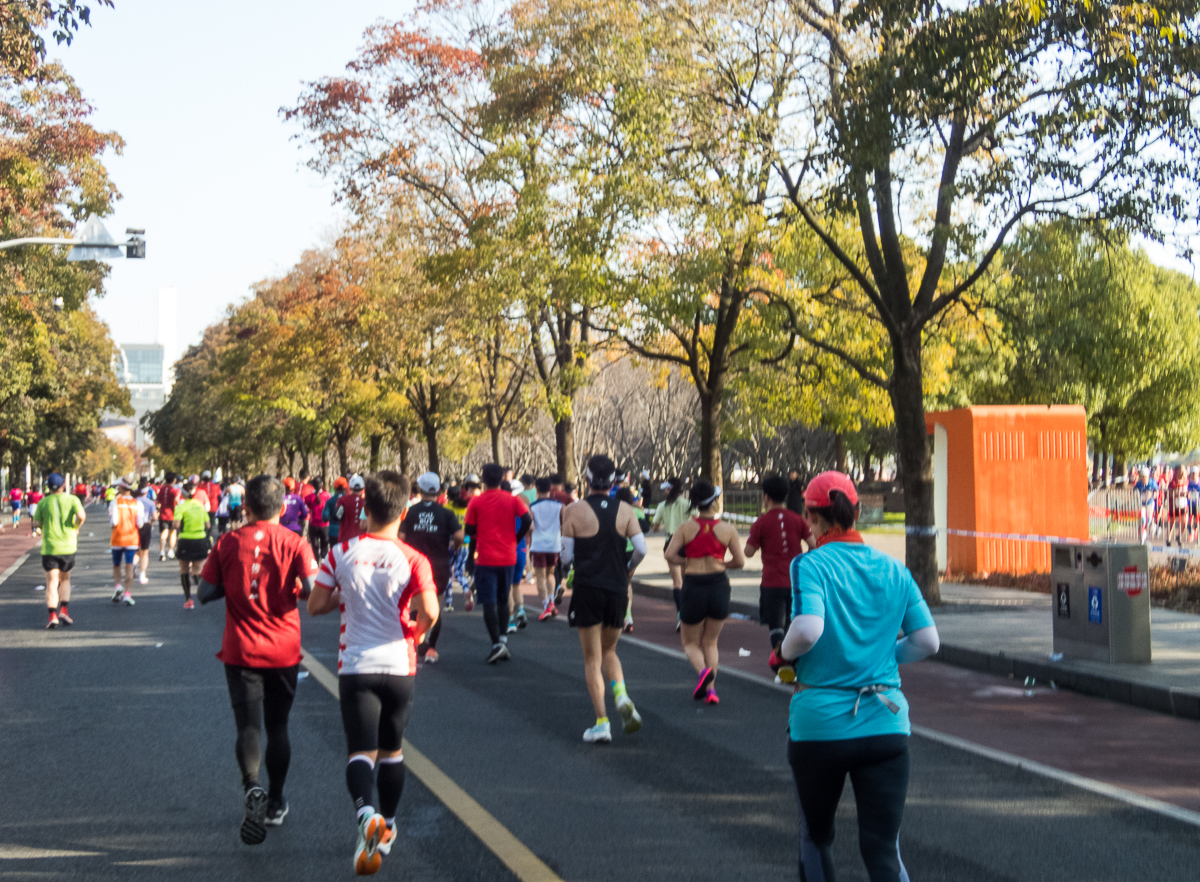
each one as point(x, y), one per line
point(15, 566)
point(1120, 794)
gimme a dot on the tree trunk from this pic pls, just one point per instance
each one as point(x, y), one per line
point(431, 444)
point(376, 443)
point(711, 406)
point(325, 464)
point(280, 462)
point(404, 450)
point(916, 467)
point(304, 460)
point(564, 451)
point(343, 445)
point(839, 452)
point(494, 431)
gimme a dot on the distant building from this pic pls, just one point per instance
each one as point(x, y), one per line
point(141, 369)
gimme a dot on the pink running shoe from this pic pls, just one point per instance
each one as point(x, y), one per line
point(710, 697)
point(706, 678)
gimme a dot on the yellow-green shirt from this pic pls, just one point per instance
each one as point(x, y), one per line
point(193, 519)
point(671, 515)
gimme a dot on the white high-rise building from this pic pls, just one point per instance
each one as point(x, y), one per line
point(147, 370)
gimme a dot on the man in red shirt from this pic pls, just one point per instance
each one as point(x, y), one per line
point(167, 500)
point(492, 523)
point(350, 510)
point(212, 493)
point(261, 569)
point(778, 532)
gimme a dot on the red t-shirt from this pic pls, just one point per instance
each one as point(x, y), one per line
point(349, 526)
point(258, 566)
point(778, 534)
point(167, 500)
point(494, 515)
point(211, 491)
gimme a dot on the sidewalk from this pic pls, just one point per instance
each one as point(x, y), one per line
point(1002, 631)
point(14, 545)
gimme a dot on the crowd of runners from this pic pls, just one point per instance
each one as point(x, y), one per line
point(387, 555)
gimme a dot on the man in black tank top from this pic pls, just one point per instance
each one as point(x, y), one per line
point(594, 532)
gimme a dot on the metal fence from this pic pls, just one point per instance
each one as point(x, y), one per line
point(1124, 514)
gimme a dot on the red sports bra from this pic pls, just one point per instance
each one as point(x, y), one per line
point(706, 543)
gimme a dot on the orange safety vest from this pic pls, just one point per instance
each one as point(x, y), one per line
point(125, 531)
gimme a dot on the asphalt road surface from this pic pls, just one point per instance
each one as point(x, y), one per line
point(118, 763)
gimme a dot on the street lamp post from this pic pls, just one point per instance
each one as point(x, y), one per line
point(93, 242)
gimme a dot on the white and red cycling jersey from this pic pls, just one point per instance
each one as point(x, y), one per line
point(376, 578)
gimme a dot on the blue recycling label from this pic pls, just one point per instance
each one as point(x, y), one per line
point(1095, 609)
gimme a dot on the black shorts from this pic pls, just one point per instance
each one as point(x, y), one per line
point(164, 525)
point(144, 537)
point(64, 563)
point(375, 709)
point(594, 606)
point(704, 596)
point(192, 549)
point(774, 607)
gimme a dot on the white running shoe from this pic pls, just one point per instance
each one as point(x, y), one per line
point(171, 554)
point(366, 852)
point(631, 719)
point(127, 599)
point(143, 579)
point(601, 733)
point(117, 592)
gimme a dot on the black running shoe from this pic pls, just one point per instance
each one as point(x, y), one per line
point(254, 828)
point(276, 812)
point(499, 651)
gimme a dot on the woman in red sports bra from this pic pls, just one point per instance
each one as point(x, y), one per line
point(700, 546)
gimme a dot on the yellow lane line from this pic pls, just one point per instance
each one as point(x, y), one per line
point(513, 853)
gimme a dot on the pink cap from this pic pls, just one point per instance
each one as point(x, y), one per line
point(816, 494)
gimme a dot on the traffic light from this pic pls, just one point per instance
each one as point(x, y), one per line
point(135, 246)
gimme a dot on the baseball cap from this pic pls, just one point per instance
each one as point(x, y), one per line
point(340, 483)
point(54, 480)
point(471, 479)
point(357, 482)
point(290, 483)
point(429, 482)
point(195, 479)
point(206, 475)
point(817, 492)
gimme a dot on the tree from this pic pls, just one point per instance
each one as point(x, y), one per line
point(23, 24)
point(1090, 321)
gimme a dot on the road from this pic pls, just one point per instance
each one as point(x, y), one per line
point(119, 764)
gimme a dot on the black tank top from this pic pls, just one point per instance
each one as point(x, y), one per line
point(600, 559)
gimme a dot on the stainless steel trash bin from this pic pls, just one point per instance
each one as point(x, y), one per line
point(1101, 602)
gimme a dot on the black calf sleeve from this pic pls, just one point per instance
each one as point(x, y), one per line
point(186, 581)
point(491, 618)
point(360, 780)
point(432, 638)
point(390, 778)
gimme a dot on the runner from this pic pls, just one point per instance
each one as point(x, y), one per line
point(351, 510)
point(340, 486)
point(237, 492)
point(145, 498)
point(374, 579)
point(60, 516)
point(318, 526)
point(260, 569)
point(81, 492)
point(1193, 494)
point(1177, 502)
point(191, 523)
point(435, 532)
point(848, 716)
point(15, 497)
point(295, 512)
point(700, 546)
point(1147, 489)
point(471, 487)
point(490, 521)
point(126, 515)
point(778, 531)
point(212, 498)
point(517, 619)
point(671, 514)
point(167, 500)
point(223, 509)
point(32, 498)
point(545, 546)
point(625, 494)
point(594, 532)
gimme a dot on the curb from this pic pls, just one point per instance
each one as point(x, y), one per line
point(1170, 700)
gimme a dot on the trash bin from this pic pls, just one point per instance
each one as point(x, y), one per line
point(1101, 602)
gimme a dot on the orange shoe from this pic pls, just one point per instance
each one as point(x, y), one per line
point(367, 860)
point(385, 843)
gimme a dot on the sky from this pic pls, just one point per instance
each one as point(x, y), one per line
point(210, 169)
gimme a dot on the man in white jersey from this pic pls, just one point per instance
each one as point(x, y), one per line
point(373, 579)
point(545, 545)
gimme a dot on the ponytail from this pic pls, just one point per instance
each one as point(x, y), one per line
point(840, 512)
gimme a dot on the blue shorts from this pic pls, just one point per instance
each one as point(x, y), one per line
point(492, 584)
point(128, 553)
point(16, 506)
point(519, 568)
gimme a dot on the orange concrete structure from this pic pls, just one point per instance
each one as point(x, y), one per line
point(1008, 469)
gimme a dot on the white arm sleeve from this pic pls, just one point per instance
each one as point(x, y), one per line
point(917, 645)
point(639, 549)
point(802, 636)
point(568, 550)
point(112, 513)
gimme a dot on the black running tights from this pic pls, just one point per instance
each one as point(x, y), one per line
point(262, 697)
point(318, 538)
point(495, 617)
point(878, 770)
